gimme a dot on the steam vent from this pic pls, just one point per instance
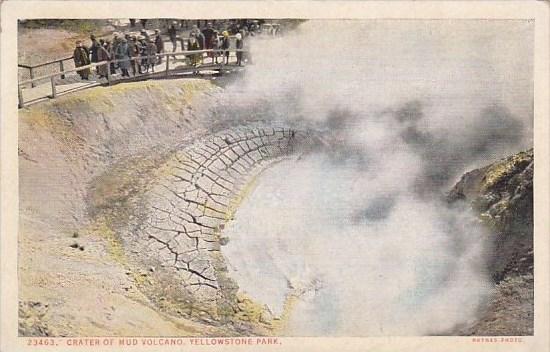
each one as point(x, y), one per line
point(282, 197)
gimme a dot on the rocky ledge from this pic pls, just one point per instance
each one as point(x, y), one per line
point(502, 194)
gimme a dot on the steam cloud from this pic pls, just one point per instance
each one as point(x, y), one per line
point(405, 107)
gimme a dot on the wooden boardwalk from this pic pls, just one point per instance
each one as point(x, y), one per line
point(173, 65)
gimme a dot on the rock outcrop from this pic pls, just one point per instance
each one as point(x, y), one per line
point(502, 194)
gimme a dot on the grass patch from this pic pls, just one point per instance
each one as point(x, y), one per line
point(80, 26)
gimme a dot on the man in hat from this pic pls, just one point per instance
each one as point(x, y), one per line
point(94, 48)
point(151, 55)
point(102, 55)
point(208, 33)
point(173, 35)
point(111, 53)
point(133, 50)
point(142, 44)
point(122, 53)
point(159, 44)
point(81, 57)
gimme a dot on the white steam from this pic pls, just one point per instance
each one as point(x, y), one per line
point(395, 272)
point(406, 107)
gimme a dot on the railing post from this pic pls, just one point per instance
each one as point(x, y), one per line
point(223, 63)
point(20, 96)
point(32, 77)
point(108, 72)
point(167, 64)
point(61, 69)
point(52, 80)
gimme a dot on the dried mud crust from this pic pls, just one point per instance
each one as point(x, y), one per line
point(173, 237)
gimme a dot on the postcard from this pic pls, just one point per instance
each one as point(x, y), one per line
point(265, 176)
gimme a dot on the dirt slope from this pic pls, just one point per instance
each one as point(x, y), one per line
point(72, 281)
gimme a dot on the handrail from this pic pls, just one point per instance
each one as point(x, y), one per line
point(102, 63)
point(45, 63)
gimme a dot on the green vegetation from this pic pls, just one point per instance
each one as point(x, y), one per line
point(71, 25)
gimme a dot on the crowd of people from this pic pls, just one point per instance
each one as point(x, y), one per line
point(139, 53)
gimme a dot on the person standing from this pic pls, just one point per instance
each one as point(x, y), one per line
point(151, 55)
point(114, 45)
point(239, 46)
point(225, 45)
point(142, 53)
point(208, 33)
point(123, 54)
point(173, 35)
point(215, 44)
point(94, 48)
point(194, 45)
point(159, 44)
point(103, 55)
point(81, 56)
point(133, 50)
point(110, 51)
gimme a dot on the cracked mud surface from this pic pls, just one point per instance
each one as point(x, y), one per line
point(177, 230)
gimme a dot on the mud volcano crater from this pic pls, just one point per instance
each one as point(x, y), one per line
point(165, 193)
point(179, 229)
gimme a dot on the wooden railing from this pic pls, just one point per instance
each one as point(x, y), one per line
point(32, 68)
point(220, 54)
